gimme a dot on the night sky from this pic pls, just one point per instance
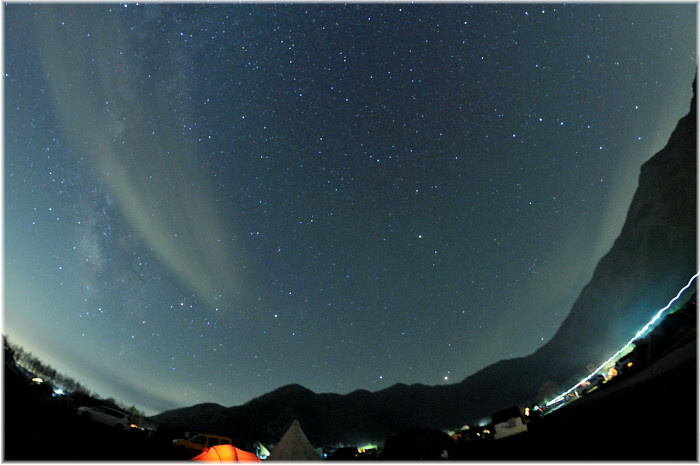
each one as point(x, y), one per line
point(206, 202)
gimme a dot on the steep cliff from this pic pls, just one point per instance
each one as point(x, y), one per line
point(652, 258)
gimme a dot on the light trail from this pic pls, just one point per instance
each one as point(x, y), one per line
point(639, 334)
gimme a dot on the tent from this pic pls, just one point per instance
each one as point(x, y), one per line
point(294, 446)
point(226, 453)
point(260, 450)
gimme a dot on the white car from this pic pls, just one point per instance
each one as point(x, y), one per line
point(508, 422)
point(108, 416)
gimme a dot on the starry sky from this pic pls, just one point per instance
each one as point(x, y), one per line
point(203, 203)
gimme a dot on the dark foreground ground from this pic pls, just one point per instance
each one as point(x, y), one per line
point(649, 416)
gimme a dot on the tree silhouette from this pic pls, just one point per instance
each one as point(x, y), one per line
point(49, 374)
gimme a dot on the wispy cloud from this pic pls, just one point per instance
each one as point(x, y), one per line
point(151, 167)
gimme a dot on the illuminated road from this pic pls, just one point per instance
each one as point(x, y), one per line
point(560, 400)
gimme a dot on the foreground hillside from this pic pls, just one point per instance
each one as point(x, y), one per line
point(650, 415)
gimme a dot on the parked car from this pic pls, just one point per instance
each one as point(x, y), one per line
point(39, 385)
point(199, 442)
point(108, 416)
point(508, 422)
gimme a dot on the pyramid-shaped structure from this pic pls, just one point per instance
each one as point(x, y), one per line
point(294, 445)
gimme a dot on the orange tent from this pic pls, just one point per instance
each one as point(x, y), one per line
point(226, 453)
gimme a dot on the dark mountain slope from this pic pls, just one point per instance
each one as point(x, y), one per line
point(653, 257)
